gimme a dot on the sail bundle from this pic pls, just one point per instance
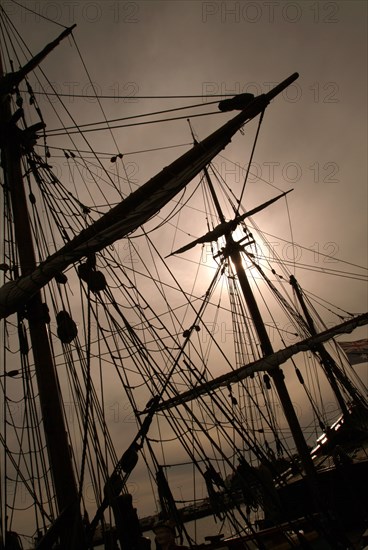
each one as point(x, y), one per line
point(136, 209)
point(265, 363)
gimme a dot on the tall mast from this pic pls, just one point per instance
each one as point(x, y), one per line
point(330, 368)
point(53, 420)
point(232, 250)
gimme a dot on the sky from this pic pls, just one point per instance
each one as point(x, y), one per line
point(316, 131)
point(313, 138)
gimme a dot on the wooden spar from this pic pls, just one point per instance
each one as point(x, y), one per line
point(136, 209)
point(266, 348)
point(233, 250)
point(328, 363)
point(226, 227)
point(10, 80)
point(53, 420)
point(265, 364)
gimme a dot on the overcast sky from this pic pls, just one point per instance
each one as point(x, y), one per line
point(314, 136)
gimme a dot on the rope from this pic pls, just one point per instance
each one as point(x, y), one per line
point(52, 130)
point(51, 133)
point(250, 162)
point(88, 397)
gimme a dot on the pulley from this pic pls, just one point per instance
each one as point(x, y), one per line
point(66, 327)
point(95, 279)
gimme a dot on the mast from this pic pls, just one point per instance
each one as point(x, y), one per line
point(52, 414)
point(330, 368)
point(326, 359)
point(233, 249)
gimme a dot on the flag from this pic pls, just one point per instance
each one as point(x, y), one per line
point(357, 351)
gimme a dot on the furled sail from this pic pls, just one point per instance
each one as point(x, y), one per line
point(226, 227)
point(136, 209)
point(265, 363)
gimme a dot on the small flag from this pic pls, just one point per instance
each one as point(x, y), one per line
point(357, 351)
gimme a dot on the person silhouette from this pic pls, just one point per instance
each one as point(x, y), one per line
point(165, 536)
